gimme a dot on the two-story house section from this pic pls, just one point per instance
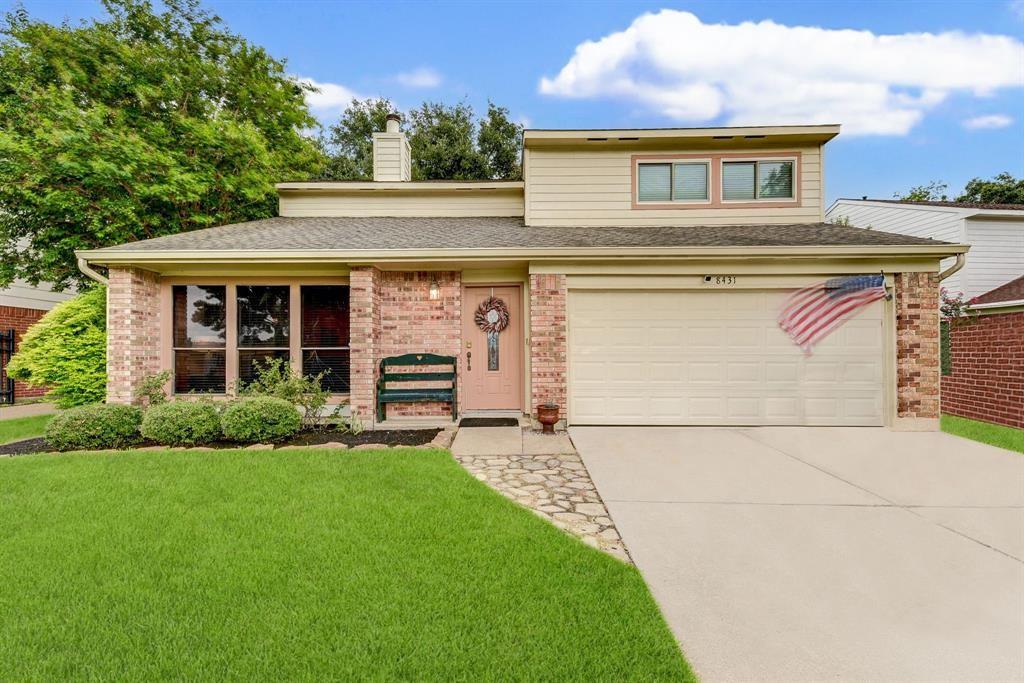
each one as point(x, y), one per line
point(995, 233)
point(633, 277)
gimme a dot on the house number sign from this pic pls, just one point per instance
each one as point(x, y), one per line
point(720, 280)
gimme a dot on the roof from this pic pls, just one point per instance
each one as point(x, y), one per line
point(788, 134)
point(952, 205)
point(496, 235)
point(1011, 291)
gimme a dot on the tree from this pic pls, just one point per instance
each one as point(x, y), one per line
point(134, 126)
point(447, 142)
point(67, 351)
point(935, 191)
point(351, 139)
point(1003, 189)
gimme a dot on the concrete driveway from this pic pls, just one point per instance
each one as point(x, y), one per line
point(809, 554)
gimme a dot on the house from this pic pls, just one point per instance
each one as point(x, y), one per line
point(21, 306)
point(640, 273)
point(994, 231)
point(983, 364)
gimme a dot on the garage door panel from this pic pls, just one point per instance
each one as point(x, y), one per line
point(716, 357)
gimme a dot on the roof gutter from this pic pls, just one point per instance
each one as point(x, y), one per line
point(83, 265)
point(998, 304)
point(961, 259)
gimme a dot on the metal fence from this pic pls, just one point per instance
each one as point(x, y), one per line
point(6, 383)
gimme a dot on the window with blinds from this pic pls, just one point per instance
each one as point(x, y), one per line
point(199, 338)
point(752, 180)
point(325, 335)
point(672, 182)
point(263, 325)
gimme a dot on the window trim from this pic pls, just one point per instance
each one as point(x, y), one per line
point(231, 349)
point(759, 201)
point(715, 186)
point(707, 162)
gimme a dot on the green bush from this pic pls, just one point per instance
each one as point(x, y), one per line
point(95, 427)
point(275, 377)
point(182, 423)
point(67, 351)
point(260, 419)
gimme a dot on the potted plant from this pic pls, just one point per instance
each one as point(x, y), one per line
point(547, 415)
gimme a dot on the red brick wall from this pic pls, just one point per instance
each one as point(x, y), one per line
point(392, 314)
point(548, 340)
point(20, 319)
point(133, 331)
point(987, 379)
point(917, 345)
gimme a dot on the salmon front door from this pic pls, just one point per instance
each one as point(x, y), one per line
point(492, 361)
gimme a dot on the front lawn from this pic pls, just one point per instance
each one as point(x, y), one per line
point(985, 432)
point(308, 564)
point(23, 428)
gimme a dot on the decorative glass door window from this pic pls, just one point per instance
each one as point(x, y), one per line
point(263, 322)
point(325, 335)
point(199, 338)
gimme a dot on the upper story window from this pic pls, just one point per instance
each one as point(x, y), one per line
point(753, 180)
point(673, 182)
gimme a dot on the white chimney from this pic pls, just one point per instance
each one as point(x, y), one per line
point(392, 159)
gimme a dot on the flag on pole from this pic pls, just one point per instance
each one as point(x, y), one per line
point(812, 313)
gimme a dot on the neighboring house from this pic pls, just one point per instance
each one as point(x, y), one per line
point(642, 271)
point(21, 305)
point(983, 364)
point(994, 231)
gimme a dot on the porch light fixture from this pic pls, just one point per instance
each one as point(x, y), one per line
point(435, 290)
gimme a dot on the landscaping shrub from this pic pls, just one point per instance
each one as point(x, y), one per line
point(95, 427)
point(260, 419)
point(182, 423)
point(67, 351)
point(275, 377)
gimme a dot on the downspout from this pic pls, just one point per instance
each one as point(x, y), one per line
point(84, 266)
point(960, 261)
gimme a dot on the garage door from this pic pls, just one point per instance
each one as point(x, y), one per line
point(716, 358)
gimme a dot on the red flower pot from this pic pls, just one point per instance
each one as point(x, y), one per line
point(547, 415)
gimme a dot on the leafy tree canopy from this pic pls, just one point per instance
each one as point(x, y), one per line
point(1003, 189)
point(935, 191)
point(138, 125)
point(448, 142)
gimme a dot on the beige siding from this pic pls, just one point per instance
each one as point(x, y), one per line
point(393, 203)
point(42, 297)
point(579, 187)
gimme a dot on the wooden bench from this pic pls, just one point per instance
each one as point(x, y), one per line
point(442, 394)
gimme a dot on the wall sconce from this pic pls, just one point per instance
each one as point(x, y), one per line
point(435, 290)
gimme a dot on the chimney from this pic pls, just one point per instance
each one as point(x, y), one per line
point(392, 160)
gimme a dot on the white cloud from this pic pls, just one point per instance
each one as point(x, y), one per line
point(768, 73)
point(422, 77)
point(332, 98)
point(988, 121)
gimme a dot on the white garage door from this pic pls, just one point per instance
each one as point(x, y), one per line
point(714, 357)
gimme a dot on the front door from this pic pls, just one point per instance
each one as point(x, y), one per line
point(492, 348)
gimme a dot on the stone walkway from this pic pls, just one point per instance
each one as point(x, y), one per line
point(556, 485)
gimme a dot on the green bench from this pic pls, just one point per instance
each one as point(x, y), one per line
point(442, 394)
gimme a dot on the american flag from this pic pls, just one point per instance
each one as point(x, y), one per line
point(812, 313)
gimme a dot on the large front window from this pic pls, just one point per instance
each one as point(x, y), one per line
point(223, 333)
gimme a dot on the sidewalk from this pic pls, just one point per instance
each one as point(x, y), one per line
point(26, 410)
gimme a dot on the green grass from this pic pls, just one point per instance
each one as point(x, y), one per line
point(304, 563)
point(985, 432)
point(23, 428)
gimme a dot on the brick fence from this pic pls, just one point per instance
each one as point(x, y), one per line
point(986, 381)
point(20, 319)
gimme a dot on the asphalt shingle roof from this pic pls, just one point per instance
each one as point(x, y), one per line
point(955, 205)
point(1011, 291)
point(383, 233)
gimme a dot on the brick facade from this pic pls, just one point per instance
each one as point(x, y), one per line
point(364, 340)
point(548, 341)
point(917, 345)
point(987, 378)
point(133, 331)
point(20, 319)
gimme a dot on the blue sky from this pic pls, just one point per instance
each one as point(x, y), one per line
point(925, 90)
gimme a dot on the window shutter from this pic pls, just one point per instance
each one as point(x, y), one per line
point(654, 182)
point(775, 179)
point(690, 182)
point(738, 180)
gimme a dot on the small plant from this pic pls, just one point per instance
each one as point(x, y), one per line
point(182, 423)
point(952, 306)
point(840, 220)
point(260, 419)
point(276, 378)
point(95, 427)
point(150, 391)
point(353, 425)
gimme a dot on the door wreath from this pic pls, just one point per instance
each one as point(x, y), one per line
point(492, 318)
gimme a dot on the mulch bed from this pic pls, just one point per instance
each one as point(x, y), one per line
point(393, 437)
